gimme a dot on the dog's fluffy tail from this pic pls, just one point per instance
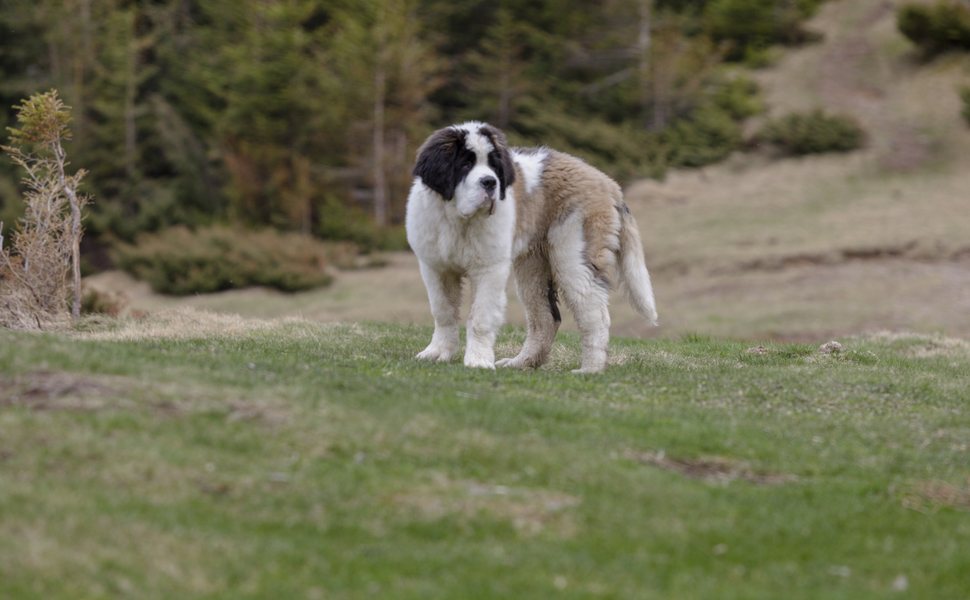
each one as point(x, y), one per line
point(633, 268)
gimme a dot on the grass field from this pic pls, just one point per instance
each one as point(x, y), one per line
point(194, 455)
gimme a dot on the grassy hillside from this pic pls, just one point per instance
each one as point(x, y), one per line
point(190, 455)
point(796, 249)
point(799, 248)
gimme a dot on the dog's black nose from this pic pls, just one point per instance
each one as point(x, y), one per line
point(488, 182)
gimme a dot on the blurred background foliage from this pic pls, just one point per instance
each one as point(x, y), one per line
point(304, 115)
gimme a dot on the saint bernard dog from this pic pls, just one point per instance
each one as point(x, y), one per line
point(479, 209)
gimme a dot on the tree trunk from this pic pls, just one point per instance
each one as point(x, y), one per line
point(67, 187)
point(131, 140)
point(380, 98)
point(82, 61)
point(644, 42)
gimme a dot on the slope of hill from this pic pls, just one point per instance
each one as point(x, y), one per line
point(799, 247)
point(787, 249)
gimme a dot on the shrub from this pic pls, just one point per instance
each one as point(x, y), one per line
point(42, 268)
point(339, 222)
point(965, 94)
point(713, 129)
point(182, 261)
point(96, 301)
point(936, 28)
point(812, 133)
point(709, 136)
point(749, 26)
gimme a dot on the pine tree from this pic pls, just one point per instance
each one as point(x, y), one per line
point(500, 77)
point(380, 54)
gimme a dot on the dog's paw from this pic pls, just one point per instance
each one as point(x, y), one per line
point(475, 361)
point(587, 370)
point(517, 362)
point(435, 353)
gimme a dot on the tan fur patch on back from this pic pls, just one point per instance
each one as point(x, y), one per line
point(568, 185)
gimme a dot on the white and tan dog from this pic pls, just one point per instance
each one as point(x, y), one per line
point(478, 209)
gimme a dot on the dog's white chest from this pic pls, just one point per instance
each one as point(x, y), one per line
point(440, 238)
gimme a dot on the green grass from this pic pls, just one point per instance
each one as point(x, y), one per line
point(302, 460)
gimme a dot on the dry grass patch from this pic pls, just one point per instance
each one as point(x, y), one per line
point(931, 496)
point(919, 345)
point(184, 323)
point(530, 511)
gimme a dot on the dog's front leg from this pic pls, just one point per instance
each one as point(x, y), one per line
point(487, 314)
point(444, 294)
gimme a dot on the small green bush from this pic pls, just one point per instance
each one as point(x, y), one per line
point(750, 26)
point(708, 136)
point(812, 133)
point(965, 94)
point(712, 130)
point(936, 28)
point(339, 222)
point(181, 261)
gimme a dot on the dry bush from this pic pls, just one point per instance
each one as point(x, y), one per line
point(34, 272)
point(96, 301)
point(211, 259)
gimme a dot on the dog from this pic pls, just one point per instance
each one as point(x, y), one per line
point(478, 209)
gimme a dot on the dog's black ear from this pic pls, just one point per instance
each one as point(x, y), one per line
point(436, 161)
point(501, 162)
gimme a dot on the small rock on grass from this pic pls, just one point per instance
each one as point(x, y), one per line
point(832, 347)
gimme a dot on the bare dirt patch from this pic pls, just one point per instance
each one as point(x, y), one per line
point(714, 469)
point(910, 250)
point(46, 390)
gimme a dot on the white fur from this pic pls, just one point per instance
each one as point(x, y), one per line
point(587, 298)
point(530, 164)
point(633, 267)
point(460, 238)
point(470, 197)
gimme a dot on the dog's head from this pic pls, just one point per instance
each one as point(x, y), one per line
point(469, 163)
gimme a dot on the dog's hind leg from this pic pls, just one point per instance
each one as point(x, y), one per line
point(580, 266)
point(444, 293)
point(534, 285)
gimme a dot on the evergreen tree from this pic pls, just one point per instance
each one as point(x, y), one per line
point(389, 71)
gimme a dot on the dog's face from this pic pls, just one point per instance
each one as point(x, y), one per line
point(468, 163)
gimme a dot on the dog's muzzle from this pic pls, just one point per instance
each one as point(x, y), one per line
point(489, 183)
